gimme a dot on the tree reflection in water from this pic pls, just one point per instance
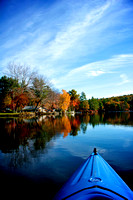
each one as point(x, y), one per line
point(23, 138)
point(39, 154)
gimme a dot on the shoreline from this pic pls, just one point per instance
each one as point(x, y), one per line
point(33, 114)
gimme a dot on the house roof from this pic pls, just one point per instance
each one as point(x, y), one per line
point(29, 108)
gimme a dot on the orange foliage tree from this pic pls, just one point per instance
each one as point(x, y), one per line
point(74, 100)
point(7, 101)
point(64, 100)
point(20, 101)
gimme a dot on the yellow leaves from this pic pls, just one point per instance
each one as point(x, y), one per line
point(7, 100)
point(64, 100)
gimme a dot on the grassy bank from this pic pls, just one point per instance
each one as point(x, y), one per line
point(10, 114)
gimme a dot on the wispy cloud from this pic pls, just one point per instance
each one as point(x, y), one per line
point(89, 75)
point(104, 66)
point(53, 37)
point(72, 42)
point(95, 73)
point(67, 37)
point(124, 79)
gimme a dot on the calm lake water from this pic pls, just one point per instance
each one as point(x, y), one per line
point(38, 155)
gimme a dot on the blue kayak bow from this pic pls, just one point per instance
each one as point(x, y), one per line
point(95, 179)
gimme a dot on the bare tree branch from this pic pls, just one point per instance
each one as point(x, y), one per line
point(22, 73)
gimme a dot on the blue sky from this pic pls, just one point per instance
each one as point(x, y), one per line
point(86, 45)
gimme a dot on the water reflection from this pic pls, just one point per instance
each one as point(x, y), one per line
point(24, 137)
point(20, 132)
point(35, 147)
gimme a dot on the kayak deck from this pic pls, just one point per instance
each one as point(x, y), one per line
point(95, 179)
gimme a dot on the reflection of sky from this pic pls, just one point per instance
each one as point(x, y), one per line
point(112, 142)
point(62, 155)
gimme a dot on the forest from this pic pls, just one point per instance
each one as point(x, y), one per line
point(22, 87)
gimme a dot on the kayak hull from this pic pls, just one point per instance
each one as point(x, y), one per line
point(94, 179)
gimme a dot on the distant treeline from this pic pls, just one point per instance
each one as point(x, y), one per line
point(23, 87)
point(119, 103)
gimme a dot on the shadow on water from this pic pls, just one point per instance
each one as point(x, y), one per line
point(30, 149)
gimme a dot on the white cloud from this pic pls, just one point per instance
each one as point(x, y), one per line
point(71, 33)
point(124, 79)
point(119, 93)
point(95, 73)
point(60, 39)
point(90, 74)
point(43, 41)
point(104, 66)
point(13, 42)
point(46, 41)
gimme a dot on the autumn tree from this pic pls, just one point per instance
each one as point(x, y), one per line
point(24, 76)
point(7, 101)
point(20, 101)
point(52, 100)
point(75, 101)
point(125, 105)
point(30, 88)
point(64, 100)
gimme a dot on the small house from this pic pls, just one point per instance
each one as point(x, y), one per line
point(29, 109)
